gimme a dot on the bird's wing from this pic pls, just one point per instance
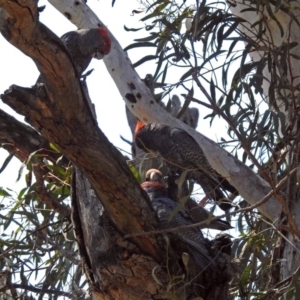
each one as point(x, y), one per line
point(192, 152)
point(192, 237)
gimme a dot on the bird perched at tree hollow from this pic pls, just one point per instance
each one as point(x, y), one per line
point(85, 44)
point(192, 238)
point(197, 212)
point(181, 152)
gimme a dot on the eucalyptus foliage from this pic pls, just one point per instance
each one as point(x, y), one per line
point(203, 44)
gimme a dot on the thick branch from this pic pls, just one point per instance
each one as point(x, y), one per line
point(23, 140)
point(142, 104)
point(18, 137)
point(63, 117)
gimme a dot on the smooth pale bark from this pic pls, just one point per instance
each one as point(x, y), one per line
point(142, 104)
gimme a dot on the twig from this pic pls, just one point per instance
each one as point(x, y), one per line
point(36, 290)
point(44, 195)
point(233, 127)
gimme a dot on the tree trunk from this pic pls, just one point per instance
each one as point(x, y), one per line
point(116, 268)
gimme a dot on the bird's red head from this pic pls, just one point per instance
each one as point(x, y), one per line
point(154, 189)
point(139, 125)
point(152, 185)
point(106, 39)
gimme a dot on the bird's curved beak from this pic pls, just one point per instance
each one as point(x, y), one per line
point(98, 55)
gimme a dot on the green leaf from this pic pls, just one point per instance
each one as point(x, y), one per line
point(137, 45)
point(135, 172)
point(175, 211)
point(164, 73)
point(152, 15)
point(54, 147)
point(220, 36)
point(22, 276)
point(6, 162)
point(214, 55)
point(132, 29)
point(20, 171)
point(8, 220)
point(155, 3)
point(136, 12)
point(31, 157)
point(4, 193)
point(153, 36)
point(161, 7)
point(272, 16)
point(144, 59)
point(22, 192)
point(28, 178)
point(232, 28)
point(245, 278)
point(180, 181)
point(212, 90)
point(264, 119)
point(159, 65)
point(189, 73)
point(186, 103)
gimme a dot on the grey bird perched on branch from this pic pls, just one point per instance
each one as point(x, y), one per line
point(182, 153)
point(197, 212)
point(85, 44)
point(189, 240)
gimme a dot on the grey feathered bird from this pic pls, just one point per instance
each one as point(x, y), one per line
point(197, 212)
point(181, 152)
point(189, 240)
point(85, 44)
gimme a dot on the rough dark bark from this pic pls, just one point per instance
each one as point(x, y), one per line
point(118, 269)
point(18, 137)
point(21, 140)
